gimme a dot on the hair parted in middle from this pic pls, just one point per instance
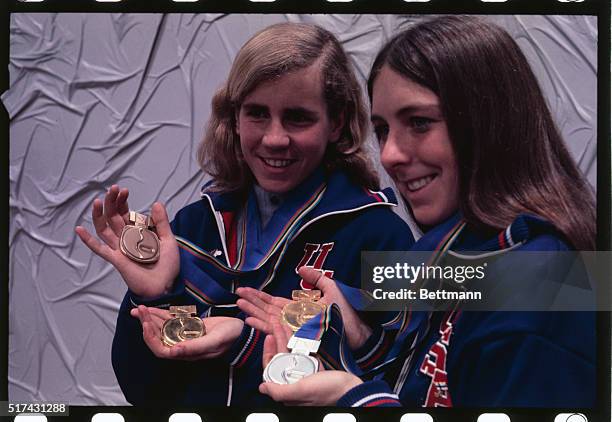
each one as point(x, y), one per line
point(271, 53)
point(510, 155)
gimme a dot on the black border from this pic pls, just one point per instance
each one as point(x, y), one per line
point(599, 8)
point(581, 7)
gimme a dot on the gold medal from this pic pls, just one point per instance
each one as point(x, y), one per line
point(137, 241)
point(183, 326)
point(304, 307)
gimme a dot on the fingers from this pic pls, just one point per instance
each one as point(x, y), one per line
point(213, 344)
point(264, 314)
point(269, 350)
point(329, 289)
point(158, 319)
point(160, 219)
point(158, 316)
point(262, 308)
point(317, 279)
point(281, 336)
point(262, 300)
point(250, 309)
point(357, 331)
point(160, 313)
point(109, 217)
point(122, 206)
point(256, 297)
point(186, 351)
point(113, 218)
point(258, 324)
point(92, 243)
point(101, 225)
point(151, 336)
point(205, 347)
point(287, 393)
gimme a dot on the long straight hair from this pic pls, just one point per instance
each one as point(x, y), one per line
point(511, 157)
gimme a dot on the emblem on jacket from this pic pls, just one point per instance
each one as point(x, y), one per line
point(315, 255)
point(434, 366)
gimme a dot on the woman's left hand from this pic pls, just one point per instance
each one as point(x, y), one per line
point(221, 332)
point(263, 308)
point(321, 389)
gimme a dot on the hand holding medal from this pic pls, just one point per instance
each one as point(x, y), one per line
point(184, 325)
point(160, 328)
point(148, 267)
point(263, 308)
point(138, 242)
point(305, 305)
point(289, 368)
point(322, 388)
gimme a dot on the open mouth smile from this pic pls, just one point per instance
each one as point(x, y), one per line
point(418, 184)
point(277, 163)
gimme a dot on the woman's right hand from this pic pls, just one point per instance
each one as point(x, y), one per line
point(145, 280)
point(221, 333)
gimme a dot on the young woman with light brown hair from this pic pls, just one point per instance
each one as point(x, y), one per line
point(291, 186)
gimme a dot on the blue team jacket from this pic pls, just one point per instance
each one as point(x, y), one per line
point(326, 223)
point(495, 359)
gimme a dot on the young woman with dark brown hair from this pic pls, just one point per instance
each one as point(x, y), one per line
point(466, 134)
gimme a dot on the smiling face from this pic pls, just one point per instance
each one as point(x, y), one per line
point(415, 146)
point(284, 129)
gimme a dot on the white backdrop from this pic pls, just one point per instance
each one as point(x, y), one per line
point(99, 99)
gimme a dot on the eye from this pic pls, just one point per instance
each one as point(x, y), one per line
point(298, 118)
point(257, 113)
point(420, 124)
point(381, 131)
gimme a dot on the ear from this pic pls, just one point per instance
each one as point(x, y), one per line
point(337, 126)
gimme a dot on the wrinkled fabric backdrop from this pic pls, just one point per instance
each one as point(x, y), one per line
point(99, 99)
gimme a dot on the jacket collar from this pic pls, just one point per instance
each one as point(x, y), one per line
point(340, 195)
point(524, 228)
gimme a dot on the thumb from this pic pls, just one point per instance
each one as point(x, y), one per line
point(317, 279)
point(278, 392)
point(357, 331)
point(269, 349)
point(160, 218)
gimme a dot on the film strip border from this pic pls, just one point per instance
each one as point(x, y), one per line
point(312, 414)
point(591, 7)
point(127, 414)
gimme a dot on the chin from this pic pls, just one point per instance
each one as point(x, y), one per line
point(427, 222)
point(276, 187)
point(430, 218)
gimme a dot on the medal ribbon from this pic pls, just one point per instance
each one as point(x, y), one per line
point(413, 322)
point(206, 278)
point(335, 350)
point(314, 328)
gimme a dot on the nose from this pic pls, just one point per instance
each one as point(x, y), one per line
point(275, 135)
point(394, 152)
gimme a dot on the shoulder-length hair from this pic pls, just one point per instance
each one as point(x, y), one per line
point(277, 50)
point(511, 157)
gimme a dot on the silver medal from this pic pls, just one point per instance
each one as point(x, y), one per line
point(289, 368)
